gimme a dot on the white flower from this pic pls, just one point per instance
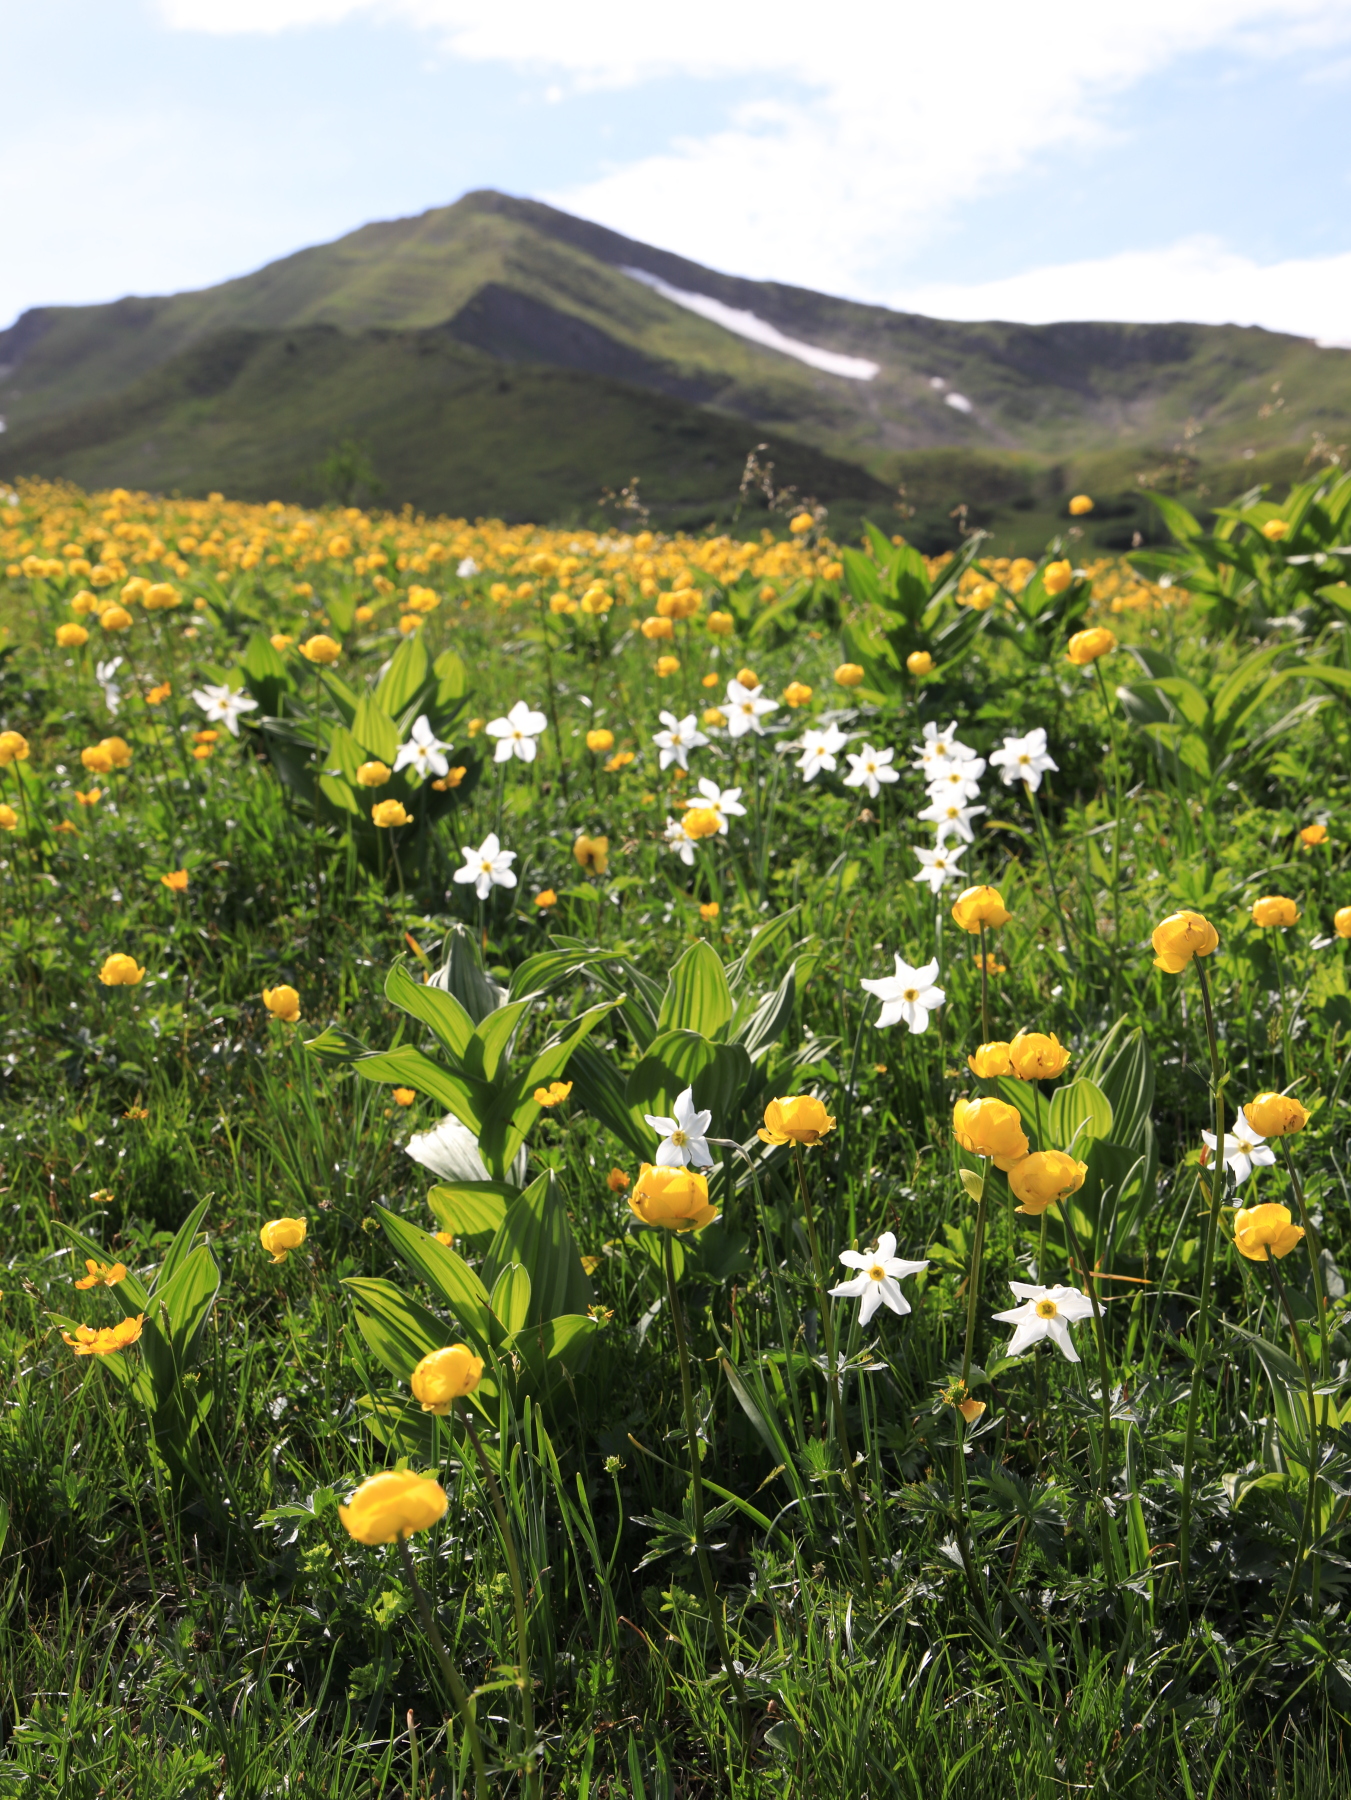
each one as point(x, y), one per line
point(680, 737)
point(745, 707)
point(878, 1282)
point(467, 568)
point(1244, 1150)
point(820, 750)
point(104, 674)
point(423, 751)
point(870, 769)
point(909, 994)
point(487, 867)
point(682, 1138)
point(223, 705)
point(516, 734)
point(1024, 759)
point(726, 802)
point(958, 780)
point(940, 748)
point(950, 818)
point(940, 866)
point(678, 839)
point(1047, 1312)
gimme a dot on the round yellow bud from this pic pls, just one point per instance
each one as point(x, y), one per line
point(668, 665)
point(802, 524)
point(9, 819)
point(121, 971)
point(721, 624)
point(279, 1237)
point(919, 662)
point(797, 693)
point(1273, 531)
point(114, 618)
point(1045, 1177)
point(991, 1128)
point(373, 774)
point(796, 1119)
point(990, 1060)
point(1313, 834)
point(1057, 576)
point(393, 1505)
point(849, 675)
point(14, 747)
point(1038, 1057)
point(1080, 505)
point(1274, 909)
point(71, 636)
point(386, 813)
point(283, 1003)
point(1276, 1115)
point(657, 629)
point(676, 1199)
point(321, 650)
point(1261, 1232)
point(1341, 921)
point(445, 1376)
point(600, 740)
point(979, 906)
point(1087, 646)
point(1180, 937)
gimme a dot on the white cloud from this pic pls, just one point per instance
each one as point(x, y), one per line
point(1198, 280)
point(760, 331)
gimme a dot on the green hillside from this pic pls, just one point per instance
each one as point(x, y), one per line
point(494, 281)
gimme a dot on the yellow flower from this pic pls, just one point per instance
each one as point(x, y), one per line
point(796, 1119)
point(283, 1003)
point(1045, 1177)
point(160, 596)
point(205, 737)
point(1313, 834)
point(108, 1341)
point(176, 881)
point(114, 618)
point(13, 748)
point(600, 740)
point(714, 715)
point(620, 760)
point(279, 1237)
point(797, 693)
point(445, 1376)
point(721, 624)
point(9, 819)
point(991, 963)
point(373, 774)
point(592, 854)
point(321, 649)
point(801, 524)
point(1259, 1230)
point(668, 665)
point(1038, 1057)
point(849, 675)
point(546, 899)
point(979, 906)
point(92, 798)
point(1087, 646)
point(971, 1410)
point(676, 1199)
point(281, 640)
point(84, 602)
point(71, 636)
point(553, 1095)
point(919, 662)
point(409, 623)
point(990, 1128)
point(701, 822)
point(709, 910)
point(1273, 531)
point(1274, 909)
point(596, 602)
point(393, 1505)
point(404, 1096)
point(1341, 921)
point(451, 779)
point(657, 628)
point(990, 1060)
point(158, 695)
point(1276, 1115)
point(1057, 576)
point(121, 971)
point(390, 812)
point(102, 1274)
point(1180, 937)
point(617, 1181)
point(748, 678)
point(362, 616)
point(1080, 505)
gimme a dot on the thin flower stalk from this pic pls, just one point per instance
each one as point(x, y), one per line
point(1045, 842)
point(1313, 1249)
point(1311, 1498)
point(449, 1673)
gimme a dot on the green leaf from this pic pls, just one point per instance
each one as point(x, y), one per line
point(408, 673)
point(176, 1317)
point(374, 730)
point(452, 679)
point(511, 1297)
point(492, 1039)
point(408, 1067)
point(548, 1348)
point(718, 1074)
point(598, 1087)
point(535, 1233)
point(697, 996)
point(472, 1210)
point(1123, 1069)
point(181, 1247)
point(446, 1274)
point(514, 1108)
point(399, 1331)
point(441, 1011)
point(1080, 1112)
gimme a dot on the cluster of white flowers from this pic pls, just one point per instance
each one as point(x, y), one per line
point(952, 773)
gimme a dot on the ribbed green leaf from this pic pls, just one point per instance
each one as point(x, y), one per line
point(697, 996)
point(433, 1005)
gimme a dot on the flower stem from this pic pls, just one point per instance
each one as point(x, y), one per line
point(459, 1693)
point(984, 991)
point(1313, 1247)
point(1311, 1500)
point(1050, 872)
point(1116, 825)
point(959, 1436)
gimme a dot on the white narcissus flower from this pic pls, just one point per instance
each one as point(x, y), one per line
point(878, 1282)
point(951, 818)
point(940, 866)
point(909, 994)
point(940, 748)
point(1046, 1312)
point(1024, 759)
point(820, 750)
point(726, 802)
point(679, 738)
point(1244, 1150)
point(745, 707)
point(678, 839)
point(467, 568)
point(105, 673)
point(487, 867)
point(451, 1151)
point(870, 769)
point(517, 734)
point(223, 706)
point(424, 751)
point(682, 1138)
point(958, 780)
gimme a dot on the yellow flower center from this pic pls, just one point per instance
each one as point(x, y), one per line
point(910, 994)
point(877, 1273)
point(1047, 1309)
point(679, 1138)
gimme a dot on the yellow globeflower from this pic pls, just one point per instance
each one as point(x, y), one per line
point(919, 662)
point(281, 640)
point(114, 618)
point(176, 881)
point(13, 748)
point(979, 906)
point(991, 1128)
point(592, 854)
point(701, 822)
point(108, 1341)
point(386, 813)
point(1038, 1057)
point(797, 693)
point(801, 524)
point(1274, 909)
point(1313, 834)
point(322, 650)
point(600, 740)
point(617, 1181)
point(721, 624)
point(71, 636)
point(1087, 646)
point(553, 1095)
point(1263, 1231)
point(1276, 1115)
point(1045, 1177)
point(403, 1096)
point(121, 971)
point(445, 1376)
point(668, 665)
point(849, 675)
point(748, 678)
point(373, 774)
point(676, 1199)
point(656, 629)
point(545, 899)
point(279, 1237)
point(1341, 921)
point(709, 910)
point(1080, 505)
point(283, 1003)
point(1057, 576)
point(119, 752)
point(1274, 530)
point(990, 1060)
point(393, 1505)
point(1180, 937)
point(796, 1119)
point(9, 819)
point(97, 759)
point(102, 1274)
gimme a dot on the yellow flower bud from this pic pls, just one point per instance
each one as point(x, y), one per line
point(1038, 1057)
point(373, 774)
point(321, 650)
point(721, 624)
point(667, 665)
point(796, 1119)
point(592, 854)
point(797, 693)
point(9, 819)
point(701, 822)
point(1274, 530)
point(1180, 937)
point(1057, 576)
point(991, 1128)
point(176, 881)
point(445, 1376)
point(386, 813)
point(71, 636)
point(990, 1060)
point(676, 1199)
point(121, 971)
point(393, 1505)
point(13, 748)
point(1274, 909)
point(1045, 1177)
point(980, 906)
point(283, 1003)
point(657, 629)
point(279, 1237)
point(617, 1181)
point(545, 899)
point(1313, 834)
point(1341, 921)
point(1276, 1115)
point(919, 662)
point(1262, 1231)
point(1087, 646)
point(849, 675)
point(114, 618)
point(801, 524)
point(1080, 505)
point(600, 740)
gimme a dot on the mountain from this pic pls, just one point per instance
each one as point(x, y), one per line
point(500, 355)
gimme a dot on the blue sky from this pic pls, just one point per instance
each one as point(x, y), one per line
point(1159, 159)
